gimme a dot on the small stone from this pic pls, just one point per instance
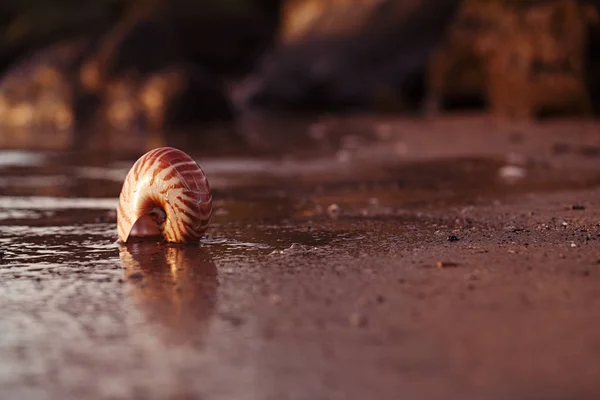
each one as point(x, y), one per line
point(472, 276)
point(136, 276)
point(333, 210)
point(512, 173)
point(573, 244)
point(234, 320)
point(357, 320)
point(453, 238)
point(446, 264)
point(275, 299)
point(578, 207)
point(380, 299)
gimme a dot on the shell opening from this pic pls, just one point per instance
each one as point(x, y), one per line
point(149, 225)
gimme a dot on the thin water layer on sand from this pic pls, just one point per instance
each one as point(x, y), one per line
point(384, 271)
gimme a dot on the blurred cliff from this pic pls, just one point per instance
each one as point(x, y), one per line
point(104, 73)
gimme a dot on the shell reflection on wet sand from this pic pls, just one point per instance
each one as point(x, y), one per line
point(174, 286)
point(165, 193)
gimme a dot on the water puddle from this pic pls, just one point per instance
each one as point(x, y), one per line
point(275, 204)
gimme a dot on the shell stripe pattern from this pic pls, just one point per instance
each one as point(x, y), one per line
point(168, 179)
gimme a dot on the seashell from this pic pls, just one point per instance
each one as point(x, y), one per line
point(166, 194)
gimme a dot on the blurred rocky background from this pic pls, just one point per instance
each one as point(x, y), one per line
point(108, 74)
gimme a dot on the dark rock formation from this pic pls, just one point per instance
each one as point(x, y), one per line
point(539, 68)
point(521, 60)
point(153, 69)
point(592, 66)
point(28, 26)
point(37, 98)
point(223, 36)
point(457, 77)
point(221, 40)
point(144, 113)
point(378, 61)
point(137, 82)
point(138, 45)
point(128, 87)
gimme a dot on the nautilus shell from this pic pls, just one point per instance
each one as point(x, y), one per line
point(165, 193)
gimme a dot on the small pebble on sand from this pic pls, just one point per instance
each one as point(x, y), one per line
point(446, 264)
point(136, 276)
point(333, 210)
point(357, 320)
point(512, 173)
point(275, 299)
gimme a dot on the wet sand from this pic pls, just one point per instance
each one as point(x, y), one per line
point(461, 261)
